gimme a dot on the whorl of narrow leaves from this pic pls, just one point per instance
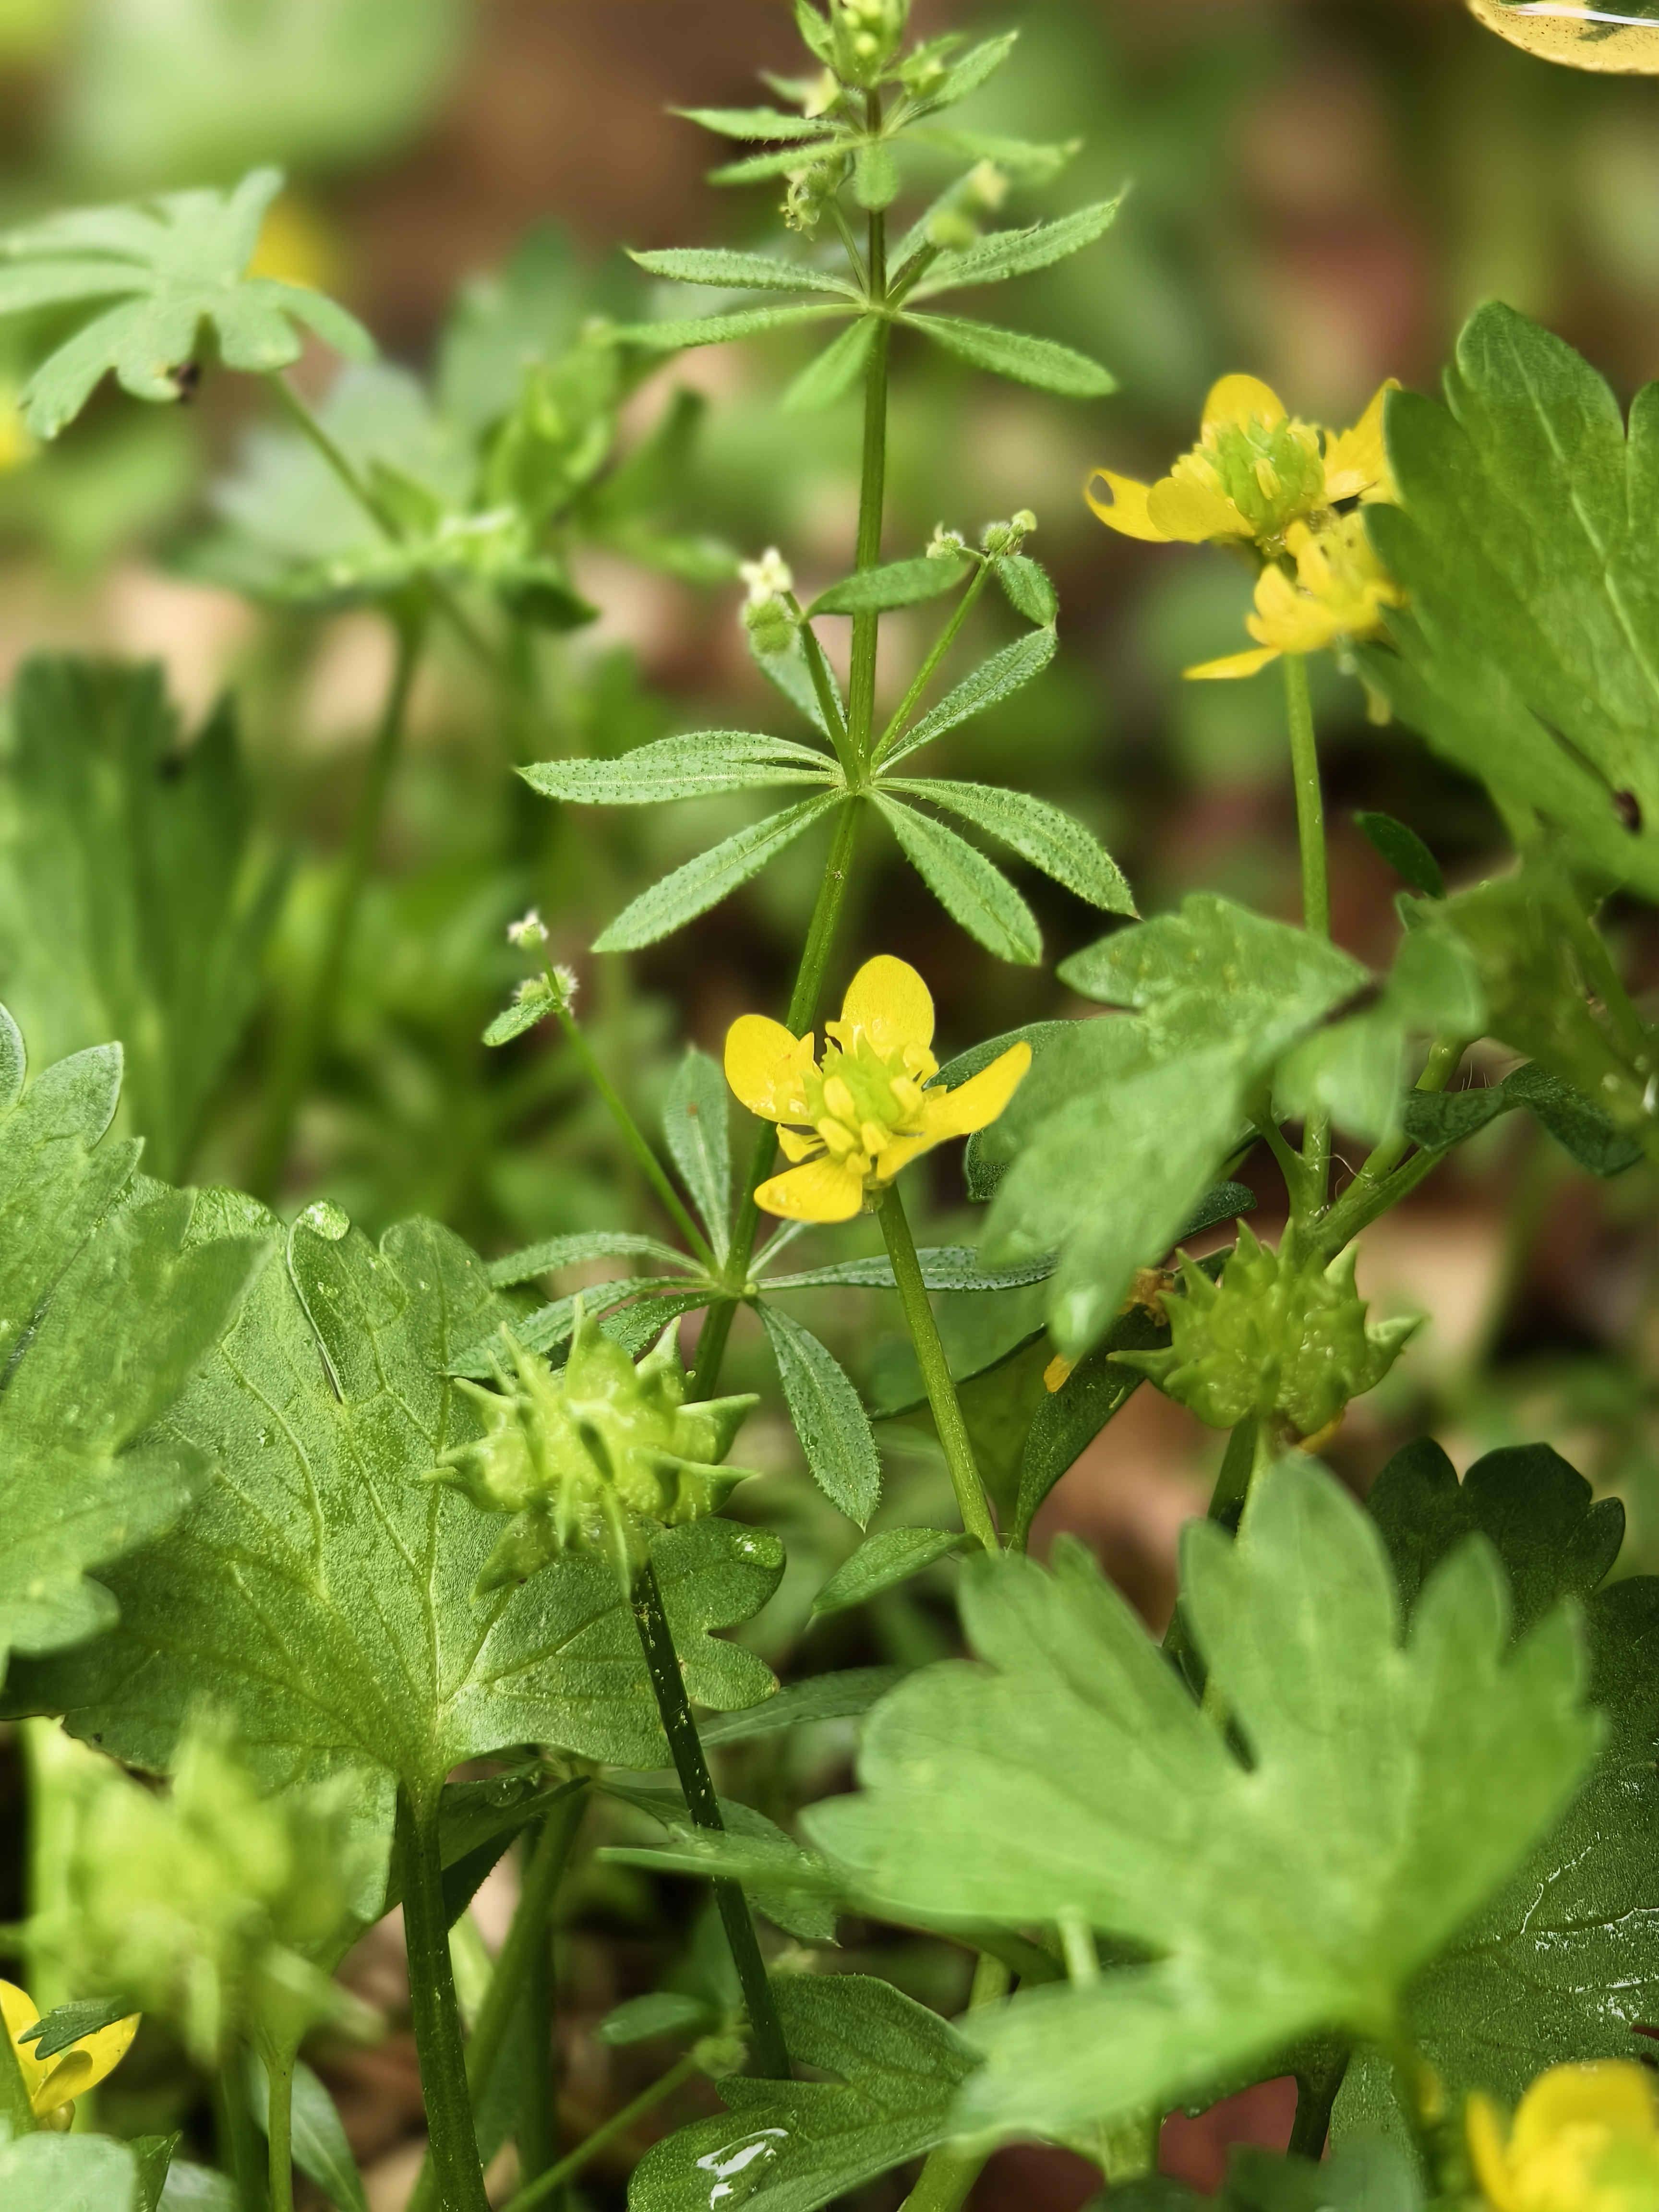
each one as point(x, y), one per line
point(172, 264)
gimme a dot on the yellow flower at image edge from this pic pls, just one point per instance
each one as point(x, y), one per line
point(1584, 2139)
point(852, 1120)
point(1336, 597)
point(54, 2083)
point(1256, 471)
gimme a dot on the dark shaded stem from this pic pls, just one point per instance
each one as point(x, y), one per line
point(802, 1000)
point(685, 1747)
point(655, 1174)
point(309, 1037)
point(1316, 2088)
point(542, 2187)
point(537, 2128)
point(873, 491)
point(935, 1370)
point(454, 2143)
point(555, 1834)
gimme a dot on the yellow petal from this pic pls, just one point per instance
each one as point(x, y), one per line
point(1231, 665)
point(762, 1063)
point(1356, 461)
point(890, 1003)
point(1192, 513)
point(1126, 510)
point(901, 1151)
point(823, 1191)
point(1613, 2094)
point(19, 2010)
point(1486, 2151)
point(977, 1103)
point(1240, 401)
point(798, 1145)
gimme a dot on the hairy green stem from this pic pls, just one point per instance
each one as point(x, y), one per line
point(924, 675)
point(944, 2181)
point(309, 1037)
point(381, 515)
point(685, 1747)
point(935, 1370)
point(803, 1002)
point(279, 2126)
point(555, 1834)
point(872, 492)
point(1382, 1181)
point(1310, 803)
point(643, 1153)
point(241, 2153)
point(542, 2187)
point(1315, 884)
point(454, 2143)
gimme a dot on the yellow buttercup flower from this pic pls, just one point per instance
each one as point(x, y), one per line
point(1336, 597)
point(1254, 472)
point(53, 2084)
point(852, 1120)
point(1584, 2139)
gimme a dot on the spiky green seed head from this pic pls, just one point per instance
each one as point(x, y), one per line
point(1273, 1339)
point(597, 1456)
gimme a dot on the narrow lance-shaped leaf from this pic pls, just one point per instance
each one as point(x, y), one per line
point(975, 68)
point(1017, 355)
point(703, 882)
point(1048, 838)
point(696, 1123)
point(556, 1252)
point(734, 271)
point(970, 889)
point(1008, 254)
point(882, 1562)
point(832, 1425)
point(992, 681)
point(898, 584)
point(834, 372)
point(716, 330)
point(764, 123)
point(550, 1326)
point(944, 1268)
point(698, 766)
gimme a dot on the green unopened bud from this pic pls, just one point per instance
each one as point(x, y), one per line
point(1008, 536)
point(597, 1456)
point(867, 35)
point(951, 231)
point(1286, 1343)
point(946, 544)
point(985, 187)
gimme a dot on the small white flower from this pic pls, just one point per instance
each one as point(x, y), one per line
point(769, 578)
point(946, 544)
point(529, 930)
point(568, 983)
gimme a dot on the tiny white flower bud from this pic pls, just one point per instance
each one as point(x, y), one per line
point(946, 544)
point(528, 931)
point(568, 983)
point(769, 578)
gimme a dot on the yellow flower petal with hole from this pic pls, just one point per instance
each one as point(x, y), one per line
point(85, 2064)
point(1193, 513)
point(890, 1003)
point(52, 2084)
point(1126, 510)
point(764, 1064)
point(977, 1103)
point(1356, 461)
point(1231, 665)
point(826, 1190)
point(1240, 400)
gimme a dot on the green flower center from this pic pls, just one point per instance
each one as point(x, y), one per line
point(859, 1101)
point(1271, 475)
